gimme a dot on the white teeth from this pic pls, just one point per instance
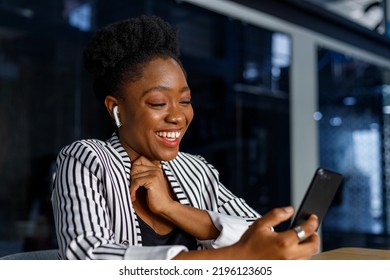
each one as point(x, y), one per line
point(171, 134)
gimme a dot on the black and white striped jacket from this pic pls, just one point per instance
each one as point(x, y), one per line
point(93, 212)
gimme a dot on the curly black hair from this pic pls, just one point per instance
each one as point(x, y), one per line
point(118, 52)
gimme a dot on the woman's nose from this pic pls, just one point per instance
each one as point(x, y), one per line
point(175, 115)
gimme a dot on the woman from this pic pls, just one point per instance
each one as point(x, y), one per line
point(136, 196)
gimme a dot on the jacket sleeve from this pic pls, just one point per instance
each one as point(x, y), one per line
point(83, 219)
point(231, 229)
point(231, 221)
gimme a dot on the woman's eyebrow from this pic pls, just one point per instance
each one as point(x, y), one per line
point(156, 88)
point(185, 89)
point(164, 88)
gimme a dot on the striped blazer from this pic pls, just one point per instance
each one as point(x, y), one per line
point(93, 213)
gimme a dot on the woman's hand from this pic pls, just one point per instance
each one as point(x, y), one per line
point(159, 199)
point(261, 242)
point(150, 176)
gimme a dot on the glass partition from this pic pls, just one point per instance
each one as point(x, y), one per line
point(353, 130)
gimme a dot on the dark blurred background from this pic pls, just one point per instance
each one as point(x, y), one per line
point(240, 78)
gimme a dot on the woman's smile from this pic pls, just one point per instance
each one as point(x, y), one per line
point(171, 135)
point(169, 139)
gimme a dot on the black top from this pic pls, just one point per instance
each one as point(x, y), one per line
point(176, 237)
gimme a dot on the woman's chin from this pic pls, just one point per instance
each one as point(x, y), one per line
point(168, 156)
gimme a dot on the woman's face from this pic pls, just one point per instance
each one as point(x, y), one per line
point(156, 111)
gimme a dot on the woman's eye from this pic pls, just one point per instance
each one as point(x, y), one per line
point(186, 102)
point(157, 104)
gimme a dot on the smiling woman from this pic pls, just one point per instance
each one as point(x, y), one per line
point(155, 111)
point(136, 195)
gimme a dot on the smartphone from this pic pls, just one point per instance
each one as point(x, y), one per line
point(319, 196)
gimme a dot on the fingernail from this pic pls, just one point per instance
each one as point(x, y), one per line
point(288, 209)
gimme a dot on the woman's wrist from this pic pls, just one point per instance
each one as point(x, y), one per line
point(186, 217)
point(170, 210)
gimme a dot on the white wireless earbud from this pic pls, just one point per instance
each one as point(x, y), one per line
point(116, 116)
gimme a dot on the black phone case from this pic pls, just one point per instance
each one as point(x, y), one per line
point(319, 196)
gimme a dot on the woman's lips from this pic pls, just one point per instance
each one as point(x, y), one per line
point(169, 138)
point(169, 134)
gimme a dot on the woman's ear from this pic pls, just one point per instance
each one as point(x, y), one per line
point(112, 107)
point(110, 102)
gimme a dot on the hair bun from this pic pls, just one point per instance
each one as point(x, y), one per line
point(128, 39)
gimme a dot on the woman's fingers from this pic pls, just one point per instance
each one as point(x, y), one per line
point(144, 161)
point(143, 173)
point(142, 177)
point(306, 229)
point(149, 175)
point(304, 241)
point(279, 215)
point(276, 216)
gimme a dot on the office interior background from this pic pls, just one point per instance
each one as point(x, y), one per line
point(279, 88)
